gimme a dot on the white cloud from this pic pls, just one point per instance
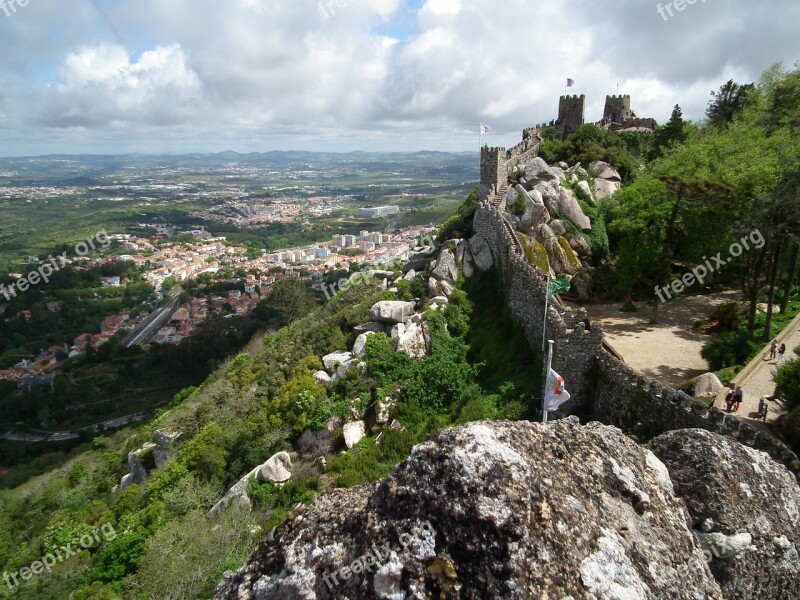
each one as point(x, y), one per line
point(271, 74)
point(100, 85)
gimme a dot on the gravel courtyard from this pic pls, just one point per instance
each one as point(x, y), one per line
point(669, 352)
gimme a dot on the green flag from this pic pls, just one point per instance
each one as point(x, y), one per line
point(556, 286)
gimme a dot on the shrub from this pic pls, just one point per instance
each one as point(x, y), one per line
point(728, 349)
point(519, 205)
point(787, 379)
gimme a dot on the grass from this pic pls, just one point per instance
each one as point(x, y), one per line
point(496, 342)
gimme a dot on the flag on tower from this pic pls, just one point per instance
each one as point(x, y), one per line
point(570, 82)
point(485, 129)
point(555, 395)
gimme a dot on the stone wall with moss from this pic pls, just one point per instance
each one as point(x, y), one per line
point(575, 347)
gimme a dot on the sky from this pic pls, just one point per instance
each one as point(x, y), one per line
point(178, 76)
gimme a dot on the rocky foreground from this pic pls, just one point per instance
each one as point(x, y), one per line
point(559, 510)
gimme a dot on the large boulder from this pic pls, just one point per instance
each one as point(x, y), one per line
point(744, 507)
point(391, 311)
point(568, 206)
point(139, 463)
point(334, 360)
point(360, 345)
point(446, 268)
point(278, 469)
point(604, 189)
point(584, 187)
point(492, 510)
point(708, 384)
point(414, 341)
point(165, 440)
point(353, 433)
point(322, 378)
point(538, 170)
point(481, 253)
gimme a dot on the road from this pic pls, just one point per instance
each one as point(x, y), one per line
point(152, 323)
point(64, 436)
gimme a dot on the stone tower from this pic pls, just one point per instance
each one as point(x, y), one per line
point(570, 115)
point(618, 108)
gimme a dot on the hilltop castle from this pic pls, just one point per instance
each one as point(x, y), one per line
point(617, 116)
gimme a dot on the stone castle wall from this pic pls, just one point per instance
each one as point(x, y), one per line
point(575, 348)
point(603, 383)
point(627, 399)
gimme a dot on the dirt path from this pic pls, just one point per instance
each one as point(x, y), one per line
point(668, 352)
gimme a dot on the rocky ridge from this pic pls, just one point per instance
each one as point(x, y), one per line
point(492, 509)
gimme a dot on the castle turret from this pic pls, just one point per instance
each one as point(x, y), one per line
point(618, 109)
point(570, 115)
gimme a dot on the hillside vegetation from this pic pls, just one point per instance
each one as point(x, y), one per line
point(695, 191)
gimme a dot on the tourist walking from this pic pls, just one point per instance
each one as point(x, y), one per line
point(738, 397)
point(781, 353)
point(773, 348)
point(729, 401)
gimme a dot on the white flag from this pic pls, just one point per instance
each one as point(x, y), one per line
point(485, 129)
point(555, 395)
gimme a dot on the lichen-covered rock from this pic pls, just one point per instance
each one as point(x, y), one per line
point(353, 433)
point(446, 268)
point(481, 253)
point(391, 312)
point(165, 440)
point(360, 345)
point(708, 384)
point(139, 463)
point(415, 340)
point(277, 469)
point(333, 360)
point(568, 206)
point(492, 510)
point(744, 506)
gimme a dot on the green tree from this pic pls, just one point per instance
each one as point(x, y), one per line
point(727, 102)
point(670, 134)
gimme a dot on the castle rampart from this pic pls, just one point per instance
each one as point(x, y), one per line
point(599, 381)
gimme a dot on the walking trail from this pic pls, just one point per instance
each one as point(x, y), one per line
point(756, 377)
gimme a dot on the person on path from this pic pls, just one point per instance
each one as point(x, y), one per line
point(763, 408)
point(773, 348)
point(729, 401)
point(738, 396)
point(781, 353)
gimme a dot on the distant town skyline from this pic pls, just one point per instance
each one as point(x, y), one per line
point(180, 76)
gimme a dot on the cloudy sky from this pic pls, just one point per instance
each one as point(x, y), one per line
point(173, 76)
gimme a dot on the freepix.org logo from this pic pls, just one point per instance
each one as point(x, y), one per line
point(53, 265)
point(10, 6)
point(47, 562)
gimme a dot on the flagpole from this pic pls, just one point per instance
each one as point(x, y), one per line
point(546, 305)
point(547, 379)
